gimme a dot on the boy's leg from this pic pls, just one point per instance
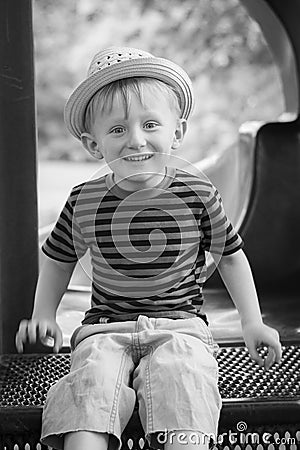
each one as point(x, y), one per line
point(177, 440)
point(177, 383)
point(95, 396)
point(82, 440)
point(186, 440)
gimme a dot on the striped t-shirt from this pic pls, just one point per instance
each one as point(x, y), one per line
point(148, 247)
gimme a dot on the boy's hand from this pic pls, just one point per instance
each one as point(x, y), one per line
point(258, 335)
point(34, 329)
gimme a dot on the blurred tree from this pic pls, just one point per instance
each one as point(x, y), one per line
point(213, 40)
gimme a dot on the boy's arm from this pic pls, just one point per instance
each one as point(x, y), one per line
point(237, 276)
point(52, 283)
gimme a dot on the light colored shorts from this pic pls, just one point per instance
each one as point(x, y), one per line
point(168, 365)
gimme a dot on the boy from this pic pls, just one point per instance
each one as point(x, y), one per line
point(147, 226)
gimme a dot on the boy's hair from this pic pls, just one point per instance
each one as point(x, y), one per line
point(103, 99)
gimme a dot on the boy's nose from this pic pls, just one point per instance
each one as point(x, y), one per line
point(136, 139)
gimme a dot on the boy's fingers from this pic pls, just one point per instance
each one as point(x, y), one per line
point(32, 331)
point(255, 355)
point(21, 335)
point(274, 351)
point(19, 342)
point(22, 331)
point(50, 330)
point(278, 351)
point(276, 346)
point(270, 358)
point(58, 339)
point(43, 330)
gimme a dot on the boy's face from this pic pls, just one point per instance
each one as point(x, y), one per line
point(136, 145)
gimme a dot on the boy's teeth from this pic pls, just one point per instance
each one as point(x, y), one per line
point(138, 158)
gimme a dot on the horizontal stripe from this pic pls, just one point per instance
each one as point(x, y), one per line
point(152, 250)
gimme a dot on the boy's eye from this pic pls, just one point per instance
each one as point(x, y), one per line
point(117, 130)
point(150, 125)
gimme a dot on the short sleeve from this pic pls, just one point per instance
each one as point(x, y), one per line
point(217, 232)
point(65, 243)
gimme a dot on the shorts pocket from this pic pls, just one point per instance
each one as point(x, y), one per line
point(207, 336)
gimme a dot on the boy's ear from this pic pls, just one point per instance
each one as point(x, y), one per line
point(179, 133)
point(89, 143)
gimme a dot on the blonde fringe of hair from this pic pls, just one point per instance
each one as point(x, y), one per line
point(103, 99)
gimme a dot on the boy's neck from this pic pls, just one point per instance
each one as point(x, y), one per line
point(134, 186)
point(143, 191)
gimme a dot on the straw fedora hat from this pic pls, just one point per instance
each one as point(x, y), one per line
point(115, 63)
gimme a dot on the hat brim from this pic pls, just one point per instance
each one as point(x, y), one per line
point(152, 67)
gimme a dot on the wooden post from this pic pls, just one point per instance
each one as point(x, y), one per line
point(18, 196)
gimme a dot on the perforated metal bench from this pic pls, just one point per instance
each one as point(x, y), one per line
point(254, 401)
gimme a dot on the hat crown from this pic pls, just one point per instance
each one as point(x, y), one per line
point(116, 63)
point(115, 55)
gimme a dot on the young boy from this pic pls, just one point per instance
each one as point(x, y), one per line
point(147, 227)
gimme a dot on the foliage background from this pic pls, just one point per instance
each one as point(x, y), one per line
point(216, 42)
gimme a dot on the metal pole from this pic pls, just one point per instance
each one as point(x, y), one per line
point(18, 196)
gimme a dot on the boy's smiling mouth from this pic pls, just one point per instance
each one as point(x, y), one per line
point(142, 157)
